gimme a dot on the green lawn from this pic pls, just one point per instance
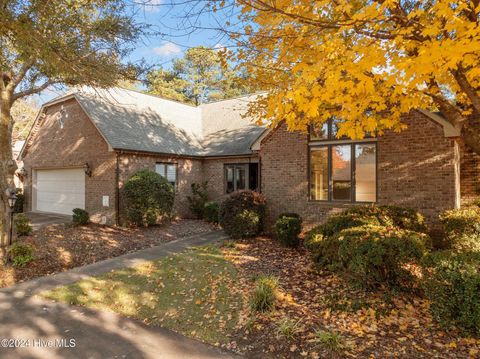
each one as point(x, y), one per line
point(190, 293)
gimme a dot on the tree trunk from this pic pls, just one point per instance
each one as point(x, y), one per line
point(7, 164)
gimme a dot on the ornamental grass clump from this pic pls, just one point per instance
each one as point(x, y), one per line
point(264, 294)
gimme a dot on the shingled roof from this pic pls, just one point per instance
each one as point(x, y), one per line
point(134, 121)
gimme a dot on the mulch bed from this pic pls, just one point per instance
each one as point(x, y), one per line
point(373, 325)
point(59, 248)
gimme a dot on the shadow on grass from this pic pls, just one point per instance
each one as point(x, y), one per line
point(192, 293)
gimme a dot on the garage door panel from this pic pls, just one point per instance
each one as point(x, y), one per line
point(60, 191)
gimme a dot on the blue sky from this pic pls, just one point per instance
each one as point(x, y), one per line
point(168, 37)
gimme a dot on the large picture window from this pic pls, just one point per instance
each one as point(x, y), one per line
point(343, 172)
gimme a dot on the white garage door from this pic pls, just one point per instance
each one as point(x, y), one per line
point(60, 191)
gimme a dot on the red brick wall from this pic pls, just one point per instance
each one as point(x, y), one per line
point(74, 145)
point(416, 168)
point(470, 175)
point(188, 171)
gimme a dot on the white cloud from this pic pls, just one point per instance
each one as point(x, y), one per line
point(151, 5)
point(167, 49)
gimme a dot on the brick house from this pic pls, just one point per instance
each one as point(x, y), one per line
point(85, 145)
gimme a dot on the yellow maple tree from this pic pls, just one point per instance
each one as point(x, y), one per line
point(363, 61)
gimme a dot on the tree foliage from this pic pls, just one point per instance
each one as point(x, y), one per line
point(202, 75)
point(23, 114)
point(44, 43)
point(365, 62)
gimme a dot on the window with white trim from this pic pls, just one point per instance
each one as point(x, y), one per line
point(341, 170)
point(168, 171)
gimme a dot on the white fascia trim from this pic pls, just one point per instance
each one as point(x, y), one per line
point(449, 130)
point(256, 144)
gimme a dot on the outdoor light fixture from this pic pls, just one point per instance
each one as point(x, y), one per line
point(87, 169)
point(11, 194)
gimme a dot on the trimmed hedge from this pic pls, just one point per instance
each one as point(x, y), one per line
point(80, 217)
point(287, 228)
point(148, 196)
point(462, 228)
point(452, 284)
point(371, 255)
point(389, 216)
point(242, 214)
point(211, 212)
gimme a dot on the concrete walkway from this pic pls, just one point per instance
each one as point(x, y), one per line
point(95, 334)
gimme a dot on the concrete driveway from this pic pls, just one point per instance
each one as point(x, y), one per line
point(40, 220)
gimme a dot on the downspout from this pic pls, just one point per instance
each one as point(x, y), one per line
point(117, 191)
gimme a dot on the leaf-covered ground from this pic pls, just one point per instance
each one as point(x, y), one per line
point(376, 325)
point(59, 248)
point(205, 293)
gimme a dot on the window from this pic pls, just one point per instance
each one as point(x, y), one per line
point(167, 170)
point(241, 176)
point(328, 131)
point(342, 170)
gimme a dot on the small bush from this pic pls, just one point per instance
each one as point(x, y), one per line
point(288, 228)
point(198, 199)
point(329, 340)
point(264, 294)
point(80, 217)
point(211, 212)
point(371, 256)
point(452, 284)
point(22, 225)
point(242, 214)
point(148, 196)
point(462, 228)
point(18, 208)
point(20, 254)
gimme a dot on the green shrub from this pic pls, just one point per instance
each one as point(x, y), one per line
point(452, 284)
point(356, 216)
point(391, 216)
point(476, 202)
point(18, 208)
point(20, 254)
point(341, 221)
point(462, 228)
point(22, 225)
point(211, 211)
point(264, 294)
point(148, 196)
point(371, 256)
point(198, 199)
point(80, 217)
point(288, 227)
point(242, 214)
